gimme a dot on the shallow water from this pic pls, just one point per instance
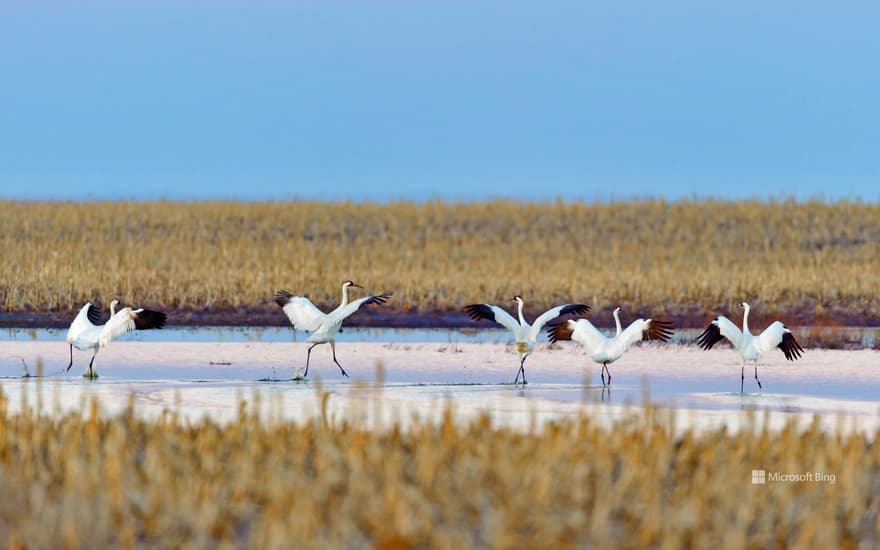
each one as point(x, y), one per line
point(860, 337)
point(210, 378)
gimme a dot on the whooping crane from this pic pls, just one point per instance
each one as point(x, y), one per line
point(323, 327)
point(605, 350)
point(524, 333)
point(86, 333)
point(748, 346)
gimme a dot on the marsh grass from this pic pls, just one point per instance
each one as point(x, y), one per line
point(681, 258)
point(86, 480)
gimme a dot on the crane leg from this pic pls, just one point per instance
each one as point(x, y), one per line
point(522, 370)
point(308, 356)
point(609, 374)
point(602, 374)
point(91, 374)
point(756, 376)
point(333, 347)
point(742, 378)
point(71, 358)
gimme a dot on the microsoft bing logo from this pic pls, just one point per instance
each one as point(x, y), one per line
point(759, 477)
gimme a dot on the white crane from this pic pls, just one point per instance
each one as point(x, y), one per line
point(748, 346)
point(525, 334)
point(86, 332)
point(605, 350)
point(323, 327)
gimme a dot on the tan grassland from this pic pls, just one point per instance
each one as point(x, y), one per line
point(85, 480)
point(811, 260)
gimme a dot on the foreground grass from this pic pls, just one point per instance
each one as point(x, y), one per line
point(86, 481)
point(813, 259)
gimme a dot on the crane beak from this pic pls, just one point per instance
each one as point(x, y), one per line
point(356, 285)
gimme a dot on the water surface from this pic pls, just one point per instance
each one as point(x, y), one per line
point(863, 337)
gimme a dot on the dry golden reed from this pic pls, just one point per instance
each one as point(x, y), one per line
point(85, 480)
point(665, 257)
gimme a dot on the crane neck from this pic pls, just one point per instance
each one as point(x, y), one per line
point(522, 320)
point(112, 308)
point(344, 296)
point(746, 321)
point(617, 321)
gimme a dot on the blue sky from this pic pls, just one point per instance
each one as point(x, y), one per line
point(374, 100)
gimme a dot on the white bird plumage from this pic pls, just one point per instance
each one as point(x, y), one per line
point(748, 346)
point(322, 327)
point(86, 332)
point(525, 334)
point(605, 350)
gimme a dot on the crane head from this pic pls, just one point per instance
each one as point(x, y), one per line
point(518, 299)
point(351, 283)
point(744, 305)
point(617, 309)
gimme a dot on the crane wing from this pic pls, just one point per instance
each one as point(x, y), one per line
point(339, 314)
point(301, 311)
point(492, 313)
point(778, 336)
point(550, 314)
point(88, 317)
point(128, 320)
point(642, 329)
point(719, 328)
point(581, 331)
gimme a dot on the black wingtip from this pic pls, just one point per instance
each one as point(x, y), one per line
point(94, 315)
point(282, 297)
point(478, 312)
point(659, 330)
point(575, 309)
point(378, 298)
point(149, 319)
point(790, 348)
point(709, 337)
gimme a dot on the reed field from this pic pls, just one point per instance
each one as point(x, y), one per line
point(816, 261)
point(87, 480)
